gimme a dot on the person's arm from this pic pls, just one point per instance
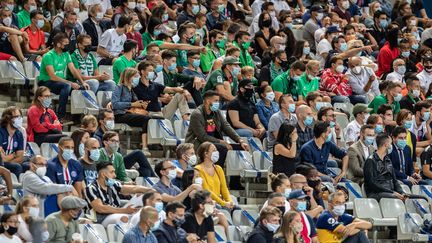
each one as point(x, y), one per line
point(101, 208)
point(75, 72)
point(79, 187)
point(11, 31)
point(261, 116)
point(288, 153)
point(116, 99)
point(36, 185)
point(224, 90)
point(237, 124)
point(133, 189)
point(102, 51)
point(211, 237)
point(261, 43)
point(354, 162)
point(426, 171)
point(53, 77)
point(181, 196)
point(187, 47)
point(120, 168)
point(6, 175)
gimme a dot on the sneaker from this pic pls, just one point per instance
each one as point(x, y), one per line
point(146, 152)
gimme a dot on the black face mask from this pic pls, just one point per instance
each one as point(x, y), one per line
point(12, 230)
point(65, 49)
point(70, 26)
point(282, 209)
point(87, 49)
point(248, 93)
point(313, 183)
point(284, 65)
point(267, 23)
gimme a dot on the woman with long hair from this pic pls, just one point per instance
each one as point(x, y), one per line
point(9, 227)
point(285, 150)
point(290, 229)
point(26, 209)
point(263, 36)
point(79, 138)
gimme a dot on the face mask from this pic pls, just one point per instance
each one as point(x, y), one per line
point(46, 102)
point(329, 137)
point(246, 45)
point(401, 70)
point(17, 122)
point(401, 143)
point(235, 71)
point(172, 174)
point(33, 212)
point(356, 70)
point(282, 209)
point(135, 81)
point(137, 26)
point(109, 182)
point(156, 33)
point(10, 6)
point(196, 63)
point(159, 206)
point(408, 124)
point(65, 49)
point(413, 22)
point(198, 181)
point(45, 236)
point(398, 97)
point(221, 8)
point(319, 105)
point(159, 68)
point(306, 50)
point(296, 78)
point(155, 226)
point(282, 47)
point(266, 23)
point(99, 16)
point(214, 106)
point(220, 44)
point(310, 77)
point(383, 23)
point(272, 227)
point(426, 116)
point(192, 40)
point(178, 222)
point(289, 25)
point(308, 121)
point(390, 150)
point(109, 124)
point(195, 9)
point(141, 7)
point(248, 93)
point(94, 154)
point(87, 49)
point(192, 160)
point(131, 5)
point(208, 210)
point(81, 149)
point(291, 108)
point(297, 228)
point(41, 171)
point(284, 65)
point(76, 10)
point(332, 124)
point(287, 192)
point(76, 217)
point(415, 47)
point(369, 140)
point(320, 16)
point(7, 21)
point(67, 154)
point(301, 206)
point(172, 67)
point(379, 128)
point(11, 230)
point(32, 8)
point(114, 147)
point(428, 69)
point(150, 76)
point(345, 5)
point(340, 68)
point(343, 46)
point(406, 54)
point(415, 93)
point(339, 210)
point(214, 156)
point(270, 96)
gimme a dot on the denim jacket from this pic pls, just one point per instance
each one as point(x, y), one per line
point(121, 99)
point(264, 112)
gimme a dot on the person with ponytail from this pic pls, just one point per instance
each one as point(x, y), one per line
point(27, 209)
point(280, 183)
point(9, 227)
point(290, 229)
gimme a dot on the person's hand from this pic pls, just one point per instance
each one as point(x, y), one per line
point(43, 51)
point(86, 86)
point(74, 86)
point(399, 196)
point(227, 145)
point(187, 95)
point(338, 177)
point(308, 190)
point(371, 78)
point(25, 36)
point(130, 210)
point(261, 131)
point(165, 98)
point(294, 137)
point(416, 176)
point(198, 83)
point(137, 104)
point(56, 122)
point(244, 146)
point(230, 205)
point(192, 238)
point(349, 228)
point(109, 106)
point(196, 187)
point(367, 49)
point(412, 180)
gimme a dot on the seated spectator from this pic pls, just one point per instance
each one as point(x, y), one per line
point(36, 183)
point(85, 62)
point(404, 119)
point(67, 27)
point(386, 113)
point(202, 210)
point(224, 81)
point(7, 187)
point(328, 114)
point(153, 199)
point(421, 125)
point(334, 222)
point(214, 49)
point(89, 124)
point(142, 232)
point(42, 123)
point(401, 159)
point(126, 106)
point(381, 183)
point(286, 83)
point(266, 107)
point(36, 43)
point(298, 201)
point(27, 210)
point(111, 42)
point(425, 76)
point(242, 113)
point(362, 79)
point(217, 186)
point(187, 35)
point(358, 152)
point(106, 123)
point(314, 182)
point(12, 140)
point(377, 122)
point(285, 156)
point(9, 224)
point(149, 91)
point(62, 225)
point(392, 97)
point(103, 195)
point(317, 152)
point(109, 152)
point(398, 73)
point(414, 94)
point(170, 229)
point(280, 184)
point(285, 114)
point(11, 6)
point(126, 60)
point(24, 15)
point(89, 159)
point(426, 162)
point(309, 80)
point(68, 6)
point(186, 159)
point(79, 137)
point(95, 25)
point(193, 65)
point(269, 223)
point(243, 41)
point(53, 72)
point(360, 113)
point(291, 228)
point(277, 200)
point(304, 125)
point(276, 67)
point(166, 171)
point(315, 100)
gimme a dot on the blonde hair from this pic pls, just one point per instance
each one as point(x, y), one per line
point(126, 76)
point(312, 63)
point(285, 229)
point(89, 120)
point(246, 70)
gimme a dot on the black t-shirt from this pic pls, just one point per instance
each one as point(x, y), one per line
point(211, 128)
point(426, 159)
point(246, 110)
point(90, 172)
point(150, 93)
point(191, 226)
point(260, 34)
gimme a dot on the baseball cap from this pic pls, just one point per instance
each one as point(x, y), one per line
point(297, 194)
point(230, 60)
point(358, 108)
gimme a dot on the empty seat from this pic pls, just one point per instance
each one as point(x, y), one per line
point(243, 217)
point(419, 206)
point(405, 189)
point(238, 161)
point(115, 233)
point(93, 233)
point(103, 98)
point(369, 209)
point(146, 181)
point(346, 107)
point(254, 144)
point(49, 150)
point(392, 207)
point(262, 160)
point(408, 228)
point(7, 208)
point(84, 102)
point(342, 120)
point(220, 233)
point(32, 149)
point(160, 131)
point(180, 128)
point(238, 234)
point(423, 190)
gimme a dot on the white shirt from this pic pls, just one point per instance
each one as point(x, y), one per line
point(422, 129)
point(352, 131)
point(425, 80)
point(359, 81)
point(23, 230)
point(365, 150)
point(280, 5)
point(253, 28)
point(159, 79)
point(112, 42)
point(15, 239)
point(394, 77)
point(324, 46)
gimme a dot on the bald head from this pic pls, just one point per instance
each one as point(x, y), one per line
point(303, 111)
point(354, 61)
point(91, 142)
point(298, 181)
point(276, 42)
point(149, 215)
point(37, 161)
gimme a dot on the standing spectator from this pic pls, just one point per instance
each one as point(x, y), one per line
point(9, 224)
point(42, 123)
point(142, 232)
point(69, 28)
point(24, 15)
point(266, 107)
point(126, 60)
point(361, 114)
point(359, 152)
point(392, 96)
point(285, 150)
point(269, 223)
point(312, 25)
point(414, 94)
point(36, 44)
point(285, 114)
point(111, 42)
point(63, 225)
point(53, 72)
point(389, 51)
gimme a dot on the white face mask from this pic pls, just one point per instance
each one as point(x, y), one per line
point(198, 181)
point(208, 210)
point(33, 212)
point(45, 236)
point(41, 171)
point(172, 174)
point(272, 227)
point(215, 156)
point(356, 70)
point(7, 21)
point(192, 160)
point(131, 5)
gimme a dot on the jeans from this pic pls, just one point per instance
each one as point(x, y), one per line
point(360, 237)
point(245, 133)
point(340, 99)
point(355, 99)
point(137, 156)
point(61, 89)
point(96, 85)
point(409, 183)
point(428, 181)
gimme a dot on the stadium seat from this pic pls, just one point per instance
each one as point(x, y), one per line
point(354, 191)
point(49, 150)
point(158, 135)
point(392, 207)
point(246, 218)
point(369, 209)
point(93, 233)
point(238, 234)
point(148, 181)
point(16, 184)
point(405, 189)
point(342, 120)
point(220, 233)
point(346, 107)
point(131, 173)
point(115, 233)
point(418, 206)
point(32, 149)
point(106, 68)
point(103, 98)
point(408, 228)
point(7, 208)
point(262, 160)
point(84, 102)
point(254, 144)
point(180, 128)
point(423, 190)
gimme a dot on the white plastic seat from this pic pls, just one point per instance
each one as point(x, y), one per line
point(131, 173)
point(84, 102)
point(7, 208)
point(405, 189)
point(115, 233)
point(239, 233)
point(408, 227)
point(342, 120)
point(347, 107)
point(262, 160)
point(106, 68)
point(392, 207)
point(93, 233)
point(148, 181)
point(103, 98)
point(239, 161)
point(254, 144)
point(49, 150)
point(158, 135)
point(421, 190)
point(240, 218)
point(181, 127)
point(369, 209)
point(220, 233)
point(418, 206)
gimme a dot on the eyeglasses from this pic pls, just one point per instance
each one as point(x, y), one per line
point(13, 222)
point(170, 168)
point(114, 141)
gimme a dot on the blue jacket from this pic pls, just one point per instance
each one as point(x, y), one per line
point(264, 112)
point(409, 167)
point(121, 99)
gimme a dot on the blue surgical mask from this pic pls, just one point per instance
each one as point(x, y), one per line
point(344, 46)
point(40, 23)
point(195, 9)
point(236, 71)
point(398, 97)
point(296, 78)
point(329, 137)
point(379, 128)
point(159, 206)
point(383, 23)
point(301, 206)
point(415, 47)
point(196, 63)
point(214, 106)
point(308, 121)
point(81, 149)
point(369, 140)
point(150, 76)
point(401, 70)
point(291, 108)
point(172, 67)
point(306, 50)
point(287, 192)
point(94, 154)
point(135, 81)
point(155, 226)
point(401, 143)
point(408, 124)
point(390, 150)
point(332, 124)
point(109, 182)
point(319, 105)
point(156, 33)
point(289, 25)
point(426, 116)
point(406, 54)
point(67, 154)
point(46, 102)
point(158, 68)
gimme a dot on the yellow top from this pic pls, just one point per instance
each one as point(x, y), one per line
point(410, 142)
point(215, 184)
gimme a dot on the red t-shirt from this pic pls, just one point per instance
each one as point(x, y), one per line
point(36, 39)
